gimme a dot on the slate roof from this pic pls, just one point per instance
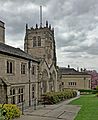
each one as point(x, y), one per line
point(71, 71)
point(16, 52)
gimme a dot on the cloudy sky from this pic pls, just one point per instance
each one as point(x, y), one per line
point(75, 23)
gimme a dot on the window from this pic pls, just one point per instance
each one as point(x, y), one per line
point(62, 83)
point(39, 41)
point(12, 93)
point(33, 91)
point(10, 67)
point(23, 68)
point(20, 95)
point(33, 69)
point(75, 83)
point(68, 83)
point(72, 83)
point(34, 42)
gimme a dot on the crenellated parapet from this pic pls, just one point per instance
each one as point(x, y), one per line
point(37, 28)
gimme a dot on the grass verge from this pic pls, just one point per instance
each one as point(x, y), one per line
point(89, 107)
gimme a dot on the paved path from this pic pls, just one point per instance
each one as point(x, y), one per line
point(59, 111)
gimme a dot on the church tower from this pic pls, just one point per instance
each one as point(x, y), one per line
point(40, 43)
point(2, 32)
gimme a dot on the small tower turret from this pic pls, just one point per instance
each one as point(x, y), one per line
point(26, 27)
point(50, 26)
point(47, 24)
point(36, 26)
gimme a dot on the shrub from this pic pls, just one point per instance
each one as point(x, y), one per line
point(82, 91)
point(55, 97)
point(96, 94)
point(12, 111)
point(97, 88)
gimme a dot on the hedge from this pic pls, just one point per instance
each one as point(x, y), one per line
point(55, 97)
point(12, 111)
point(88, 91)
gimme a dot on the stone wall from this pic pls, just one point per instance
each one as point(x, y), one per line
point(76, 81)
point(16, 79)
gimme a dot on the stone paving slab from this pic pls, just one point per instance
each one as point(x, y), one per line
point(71, 108)
point(67, 115)
point(26, 117)
point(54, 113)
point(60, 111)
point(66, 112)
point(40, 112)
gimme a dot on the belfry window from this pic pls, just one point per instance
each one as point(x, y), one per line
point(39, 41)
point(34, 42)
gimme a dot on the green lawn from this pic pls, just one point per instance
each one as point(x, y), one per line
point(89, 107)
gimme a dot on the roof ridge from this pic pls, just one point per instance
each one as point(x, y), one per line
point(15, 52)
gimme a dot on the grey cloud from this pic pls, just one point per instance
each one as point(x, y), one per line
point(19, 2)
point(75, 23)
point(71, 55)
point(73, 39)
point(82, 6)
point(91, 50)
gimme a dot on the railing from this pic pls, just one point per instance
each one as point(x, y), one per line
point(35, 104)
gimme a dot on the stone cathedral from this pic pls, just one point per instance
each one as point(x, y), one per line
point(39, 42)
point(27, 74)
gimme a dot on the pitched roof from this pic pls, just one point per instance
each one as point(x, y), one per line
point(17, 52)
point(3, 80)
point(71, 71)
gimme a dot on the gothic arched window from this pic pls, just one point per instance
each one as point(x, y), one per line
point(34, 42)
point(39, 41)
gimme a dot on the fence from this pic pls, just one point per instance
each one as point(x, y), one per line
point(34, 105)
